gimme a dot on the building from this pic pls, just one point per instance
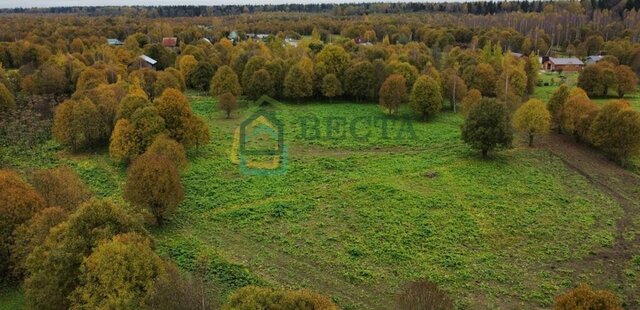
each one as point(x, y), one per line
point(143, 61)
point(569, 64)
point(233, 36)
point(114, 42)
point(170, 42)
point(591, 60)
point(291, 42)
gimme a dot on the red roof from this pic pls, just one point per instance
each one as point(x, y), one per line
point(169, 42)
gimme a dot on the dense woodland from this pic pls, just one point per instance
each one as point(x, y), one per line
point(59, 78)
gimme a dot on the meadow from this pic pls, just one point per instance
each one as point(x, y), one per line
point(357, 218)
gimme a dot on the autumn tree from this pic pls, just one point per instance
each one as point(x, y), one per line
point(484, 79)
point(53, 267)
point(615, 129)
point(584, 297)
point(225, 80)
point(267, 298)
point(532, 70)
point(7, 100)
point(186, 64)
point(172, 291)
point(18, 202)
point(124, 145)
point(129, 105)
point(254, 64)
point(556, 105)
point(148, 124)
point(331, 86)
point(596, 79)
point(532, 118)
point(227, 103)
point(511, 86)
point(119, 273)
point(454, 88)
point(577, 114)
point(153, 183)
point(163, 145)
point(360, 81)
point(393, 92)
point(164, 81)
point(423, 295)
point(33, 233)
point(77, 124)
point(260, 84)
point(426, 99)
point(60, 187)
point(472, 98)
point(180, 121)
point(626, 80)
point(298, 83)
point(90, 78)
point(335, 58)
point(199, 77)
point(487, 126)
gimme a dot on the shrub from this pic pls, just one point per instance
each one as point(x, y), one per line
point(77, 124)
point(584, 297)
point(153, 183)
point(487, 126)
point(423, 295)
point(227, 102)
point(18, 203)
point(60, 187)
point(163, 145)
point(254, 297)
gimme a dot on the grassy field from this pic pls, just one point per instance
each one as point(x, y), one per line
point(356, 219)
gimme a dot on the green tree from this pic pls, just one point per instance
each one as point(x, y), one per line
point(556, 105)
point(626, 80)
point(532, 118)
point(53, 267)
point(615, 129)
point(77, 124)
point(532, 69)
point(331, 86)
point(225, 81)
point(511, 86)
point(335, 58)
point(228, 103)
point(153, 183)
point(426, 99)
point(298, 83)
point(7, 100)
point(260, 84)
point(487, 126)
point(360, 81)
point(199, 77)
point(393, 92)
point(118, 274)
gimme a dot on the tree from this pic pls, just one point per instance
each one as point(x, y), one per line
point(18, 202)
point(360, 81)
point(393, 92)
point(532, 69)
point(260, 84)
point(200, 77)
point(511, 85)
point(148, 125)
point(90, 78)
point(53, 267)
point(472, 98)
point(129, 105)
point(118, 274)
point(77, 124)
point(124, 145)
point(254, 64)
point(228, 103)
point(7, 101)
point(173, 292)
point(164, 81)
point(532, 118)
point(487, 126)
point(426, 99)
point(626, 80)
point(584, 297)
point(484, 79)
point(254, 297)
point(225, 81)
point(51, 79)
point(33, 233)
point(335, 58)
point(179, 120)
point(163, 145)
point(454, 87)
point(298, 83)
point(331, 86)
point(577, 114)
point(153, 183)
point(423, 295)
point(556, 105)
point(615, 129)
point(60, 187)
point(596, 79)
point(186, 64)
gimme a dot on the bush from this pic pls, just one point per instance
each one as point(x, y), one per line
point(77, 124)
point(163, 145)
point(153, 183)
point(18, 203)
point(60, 187)
point(228, 103)
point(254, 297)
point(584, 297)
point(423, 295)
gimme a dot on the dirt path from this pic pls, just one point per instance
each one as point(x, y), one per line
point(607, 264)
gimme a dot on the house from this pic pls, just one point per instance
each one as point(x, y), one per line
point(568, 64)
point(233, 36)
point(592, 60)
point(114, 42)
point(258, 36)
point(170, 42)
point(144, 61)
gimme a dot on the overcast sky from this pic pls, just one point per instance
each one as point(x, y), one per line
point(50, 3)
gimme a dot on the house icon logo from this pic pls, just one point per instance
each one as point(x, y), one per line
point(258, 145)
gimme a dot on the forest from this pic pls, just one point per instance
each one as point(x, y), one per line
point(122, 184)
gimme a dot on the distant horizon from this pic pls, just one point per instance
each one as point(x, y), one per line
point(8, 4)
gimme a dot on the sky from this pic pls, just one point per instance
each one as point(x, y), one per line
point(58, 3)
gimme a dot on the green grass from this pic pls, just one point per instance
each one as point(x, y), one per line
point(11, 299)
point(356, 219)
